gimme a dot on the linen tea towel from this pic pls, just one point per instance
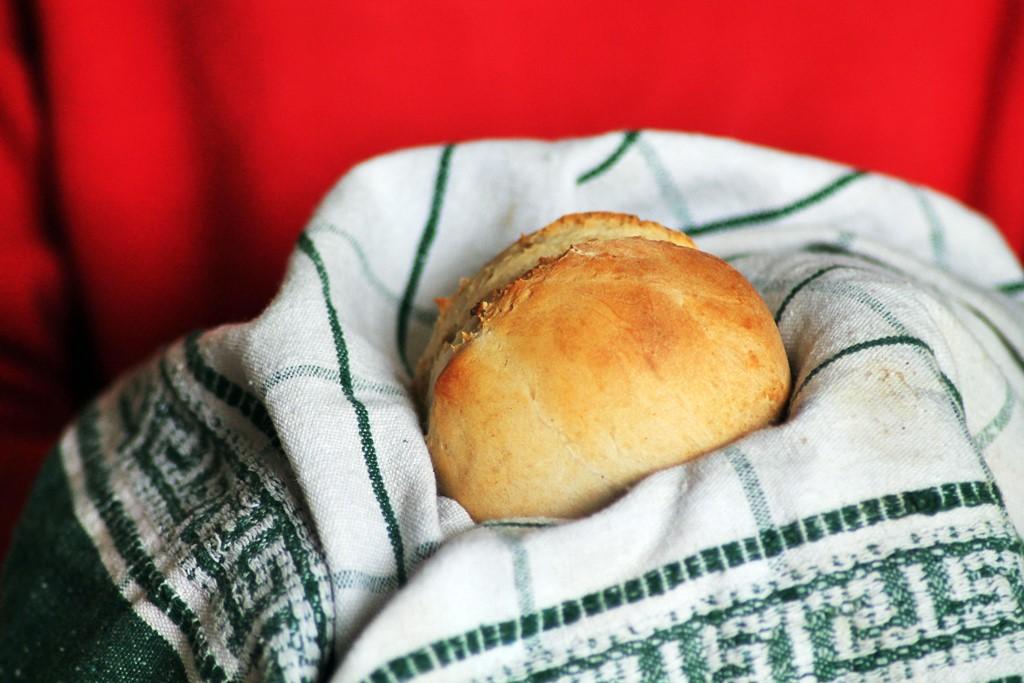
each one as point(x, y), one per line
point(257, 503)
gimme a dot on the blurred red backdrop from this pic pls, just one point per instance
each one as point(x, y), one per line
point(158, 159)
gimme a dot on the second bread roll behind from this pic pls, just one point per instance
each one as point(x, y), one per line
point(587, 356)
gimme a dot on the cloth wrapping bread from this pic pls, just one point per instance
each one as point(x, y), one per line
point(258, 502)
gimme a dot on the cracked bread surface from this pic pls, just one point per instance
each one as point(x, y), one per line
point(457, 321)
point(592, 364)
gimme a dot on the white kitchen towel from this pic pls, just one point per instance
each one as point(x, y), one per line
point(262, 497)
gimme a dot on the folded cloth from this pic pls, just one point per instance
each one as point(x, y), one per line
point(258, 503)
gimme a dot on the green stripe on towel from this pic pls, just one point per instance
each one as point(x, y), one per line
point(767, 215)
point(422, 251)
point(628, 138)
point(749, 649)
point(768, 543)
point(895, 340)
point(362, 416)
point(419, 314)
point(227, 391)
point(800, 285)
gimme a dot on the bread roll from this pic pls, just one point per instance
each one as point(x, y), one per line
point(586, 356)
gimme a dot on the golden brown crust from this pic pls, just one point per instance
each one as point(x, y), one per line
point(456, 313)
point(596, 367)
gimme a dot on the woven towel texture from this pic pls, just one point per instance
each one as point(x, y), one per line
point(258, 500)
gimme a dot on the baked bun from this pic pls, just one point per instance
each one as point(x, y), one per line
point(586, 356)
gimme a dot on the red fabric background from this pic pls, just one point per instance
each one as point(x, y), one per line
point(158, 159)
